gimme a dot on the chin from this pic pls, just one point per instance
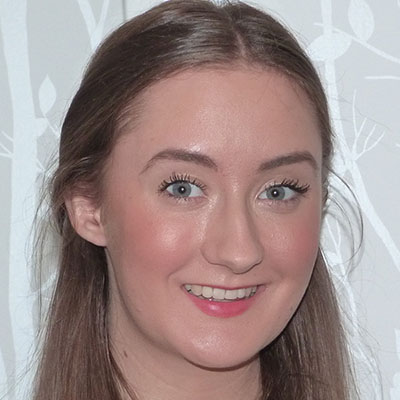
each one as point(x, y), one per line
point(223, 348)
point(222, 357)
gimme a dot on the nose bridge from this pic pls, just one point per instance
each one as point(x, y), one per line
point(232, 238)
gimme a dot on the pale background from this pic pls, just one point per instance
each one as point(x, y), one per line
point(44, 46)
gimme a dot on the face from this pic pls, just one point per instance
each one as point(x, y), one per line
point(211, 215)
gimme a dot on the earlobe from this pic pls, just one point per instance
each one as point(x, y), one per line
point(86, 219)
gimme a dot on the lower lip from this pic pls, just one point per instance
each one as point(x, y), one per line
point(223, 309)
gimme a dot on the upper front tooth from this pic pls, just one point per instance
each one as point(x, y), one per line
point(219, 294)
point(207, 292)
point(231, 294)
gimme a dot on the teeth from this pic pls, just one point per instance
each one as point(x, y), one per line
point(231, 294)
point(196, 289)
point(207, 292)
point(218, 294)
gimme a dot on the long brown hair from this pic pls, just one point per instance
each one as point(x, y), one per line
point(309, 359)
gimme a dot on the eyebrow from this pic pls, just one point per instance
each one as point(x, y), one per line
point(182, 155)
point(208, 162)
point(288, 159)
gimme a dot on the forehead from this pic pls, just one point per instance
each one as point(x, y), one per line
point(238, 113)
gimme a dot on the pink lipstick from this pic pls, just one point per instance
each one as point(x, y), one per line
point(222, 303)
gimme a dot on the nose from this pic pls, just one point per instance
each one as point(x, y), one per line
point(232, 239)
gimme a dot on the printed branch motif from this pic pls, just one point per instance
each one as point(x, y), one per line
point(47, 96)
point(13, 28)
point(367, 372)
point(367, 146)
point(395, 389)
point(383, 77)
point(4, 149)
point(346, 163)
point(373, 49)
point(95, 29)
point(360, 40)
point(362, 22)
point(354, 155)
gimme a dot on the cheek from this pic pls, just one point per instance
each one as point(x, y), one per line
point(162, 244)
point(296, 243)
point(145, 241)
point(290, 256)
point(304, 240)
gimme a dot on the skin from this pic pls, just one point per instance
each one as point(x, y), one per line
point(228, 233)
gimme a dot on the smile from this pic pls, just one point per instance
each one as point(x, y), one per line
point(220, 295)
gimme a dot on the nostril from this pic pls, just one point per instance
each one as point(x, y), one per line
point(239, 256)
point(232, 238)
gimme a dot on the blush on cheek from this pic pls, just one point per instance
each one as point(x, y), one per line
point(158, 242)
point(298, 246)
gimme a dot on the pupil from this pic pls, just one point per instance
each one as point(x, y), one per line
point(181, 189)
point(276, 193)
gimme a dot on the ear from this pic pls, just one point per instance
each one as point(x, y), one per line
point(85, 219)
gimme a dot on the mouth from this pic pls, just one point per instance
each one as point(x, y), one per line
point(219, 294)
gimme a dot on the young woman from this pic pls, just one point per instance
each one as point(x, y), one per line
point(193, 171)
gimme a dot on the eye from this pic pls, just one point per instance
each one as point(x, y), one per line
point(277, 193)
point(284, 191)
point(182, 187)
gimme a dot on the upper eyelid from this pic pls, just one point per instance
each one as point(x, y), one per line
point(291, 183)
point(185, 178)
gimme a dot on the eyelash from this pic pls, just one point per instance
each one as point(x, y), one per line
point(292, 184)
point(178, 178)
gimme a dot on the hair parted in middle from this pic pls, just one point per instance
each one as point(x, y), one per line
point(309, 359)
